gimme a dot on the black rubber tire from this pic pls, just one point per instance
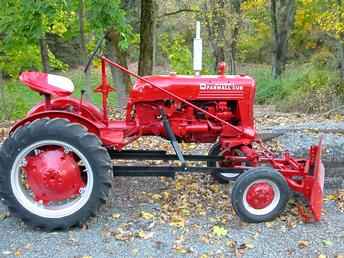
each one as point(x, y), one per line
point(62, 130)
point(245, 180)
point(214, 151)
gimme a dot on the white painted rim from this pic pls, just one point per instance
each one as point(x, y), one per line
point(49, 211)
point(267, 209)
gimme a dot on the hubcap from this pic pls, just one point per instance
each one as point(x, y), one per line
point(52, 179)
point(53, 175)
point(260, 195)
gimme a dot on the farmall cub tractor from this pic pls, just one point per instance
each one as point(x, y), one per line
point(57, 164)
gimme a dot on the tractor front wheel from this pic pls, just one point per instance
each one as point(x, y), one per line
point(54, 174)
point(222, 177)
point(260, 194)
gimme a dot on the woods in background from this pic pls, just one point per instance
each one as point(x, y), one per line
point(305, 35)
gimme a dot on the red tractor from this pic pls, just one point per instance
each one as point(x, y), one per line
point(57, 164)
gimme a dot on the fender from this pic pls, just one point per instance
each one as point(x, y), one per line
point(72, 105)
point(91, 126)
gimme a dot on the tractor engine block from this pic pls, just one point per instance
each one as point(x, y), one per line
point(188, 124)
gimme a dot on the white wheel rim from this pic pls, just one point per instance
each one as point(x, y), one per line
point(49, 211)
point(267, 209)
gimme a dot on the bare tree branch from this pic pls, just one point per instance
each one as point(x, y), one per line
point(177, 12)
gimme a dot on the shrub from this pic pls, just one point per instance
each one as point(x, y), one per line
point(178, 54)
point(305, 88)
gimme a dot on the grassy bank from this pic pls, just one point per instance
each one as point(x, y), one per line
point(303, 88)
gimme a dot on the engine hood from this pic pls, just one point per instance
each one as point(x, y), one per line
point(195, 87)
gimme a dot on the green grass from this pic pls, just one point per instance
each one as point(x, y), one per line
point(19, 99)
point(305, 88)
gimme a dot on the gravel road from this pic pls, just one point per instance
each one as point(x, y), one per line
point(207, 228)
point(285, 236)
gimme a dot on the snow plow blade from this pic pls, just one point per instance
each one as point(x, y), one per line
point(316, 173)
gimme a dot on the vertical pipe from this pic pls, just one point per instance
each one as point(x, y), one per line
point(105, 92)
point(198, 49)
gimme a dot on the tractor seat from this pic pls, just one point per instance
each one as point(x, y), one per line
point(50, 84)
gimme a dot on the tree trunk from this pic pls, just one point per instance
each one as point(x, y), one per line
point(66, 50)
point(146, 37)
point(121, 81)
point(44, 54)
point(236, 24)
point(219, 55)
point(282, 20)
point(341, 58)
point(3, 103)
point(216, 25)
point(155, 27)
point(83, 51)
point(341, 45)
point(232, 58)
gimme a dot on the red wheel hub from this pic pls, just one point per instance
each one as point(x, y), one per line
point(53, 175)
point(260, 195)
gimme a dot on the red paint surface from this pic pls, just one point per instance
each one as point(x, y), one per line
point(260, 195)
point(39, 82)
point(53, 175)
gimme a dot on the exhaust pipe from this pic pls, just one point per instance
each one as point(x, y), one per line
point(197, 50)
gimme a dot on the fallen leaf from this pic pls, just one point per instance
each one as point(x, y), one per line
point(331, 197)
point(147, 215)
point(123, 235)
point(340, 200)
point(205, 239)
point(322, 256)
point(219, 231)
point(231, 243)
point(177, 221)
point(144, 235)
point(181, 249)
point(135, 251)
point(116, 215)
point(269, 224)
point(4, 215)
point(327, 242)
point(249, 245)
point(17, 253)
point(303, 244)
point(156, 197)
point(204, 256)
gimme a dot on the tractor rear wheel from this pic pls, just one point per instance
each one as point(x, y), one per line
point(260, 194)
point(54, 174)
